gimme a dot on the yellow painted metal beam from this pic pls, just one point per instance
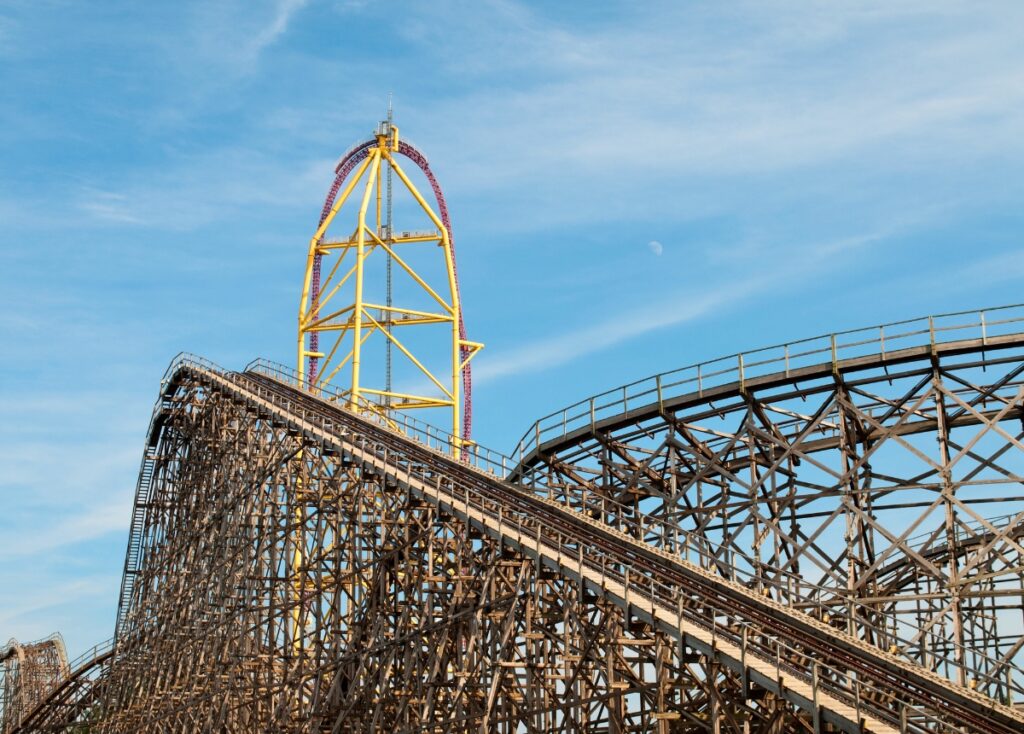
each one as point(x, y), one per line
point(350, 244)
point(409, 312)
point(413, 274)
point(304, 304)
point(424, 399)
point(357, 327)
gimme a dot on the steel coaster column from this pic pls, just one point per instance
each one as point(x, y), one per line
point(309, 311)
point(357, 311)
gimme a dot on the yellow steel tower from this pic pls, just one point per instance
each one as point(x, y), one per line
point(334, 330)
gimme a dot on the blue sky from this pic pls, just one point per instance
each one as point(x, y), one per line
point(633, 186)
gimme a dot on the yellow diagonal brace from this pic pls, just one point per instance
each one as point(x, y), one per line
point(407, 353)
point(412, 273)
point(347, 358)
point(323, 320)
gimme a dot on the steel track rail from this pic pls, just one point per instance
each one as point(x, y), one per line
point(430, 473)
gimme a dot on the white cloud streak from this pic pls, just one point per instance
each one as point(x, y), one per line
point(233, 35)
point(108, 206)
point(88, 524)
point(657, 100)
point(283, 13)
point(575, 344)
point(663, 97)
point(211, 187)
point(21, 604)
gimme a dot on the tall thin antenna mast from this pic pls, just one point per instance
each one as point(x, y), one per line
point(389, 238)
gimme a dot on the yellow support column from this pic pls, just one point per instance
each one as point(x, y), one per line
point(357, 327)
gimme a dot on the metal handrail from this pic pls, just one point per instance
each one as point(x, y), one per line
point(983, 325)
point(100, 648)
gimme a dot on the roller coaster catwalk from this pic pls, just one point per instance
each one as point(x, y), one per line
point(824, 536)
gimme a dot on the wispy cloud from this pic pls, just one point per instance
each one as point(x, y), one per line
point(109, 206)
point(73, 591)
point(575, 344)
point(283, 13)
point(218, 186)
point(93, 522)
point(682, 107)
point(763, 247)
point(233, 35)
point(687, 102)
point(557, 350)
point(210, 62)
point(965, 273)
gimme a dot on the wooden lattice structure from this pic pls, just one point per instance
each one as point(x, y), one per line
point(27, 674)
point(828, 546)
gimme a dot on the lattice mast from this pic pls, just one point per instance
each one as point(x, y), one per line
point(332, 339)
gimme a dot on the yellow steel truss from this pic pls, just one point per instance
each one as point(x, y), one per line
point(351, 324)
